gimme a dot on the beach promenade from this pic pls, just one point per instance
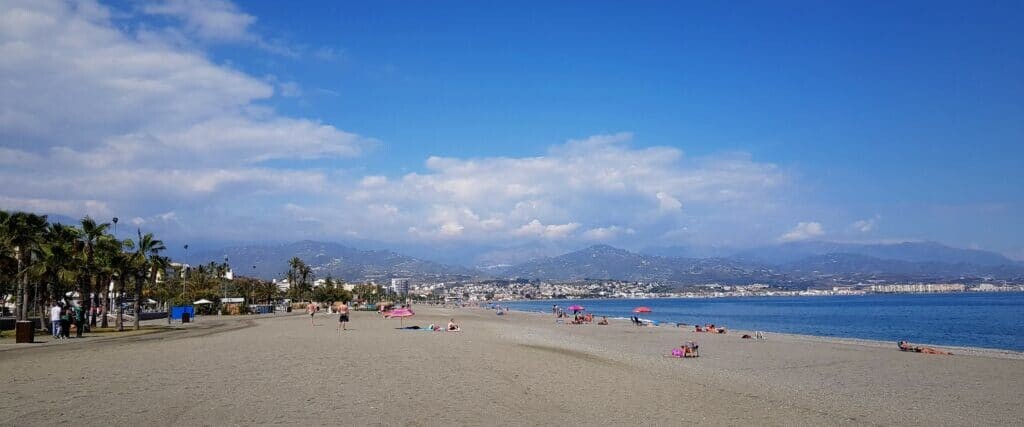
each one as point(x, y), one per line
point(517, 369)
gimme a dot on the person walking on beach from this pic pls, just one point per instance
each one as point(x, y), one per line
point(55, 320)
point(342, 316)
point(78, 316)
point(65, 321)
point(311, 309)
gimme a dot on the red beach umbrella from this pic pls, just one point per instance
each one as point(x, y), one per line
point(641, 310)
point(401, 314)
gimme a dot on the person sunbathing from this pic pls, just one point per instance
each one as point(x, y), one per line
point(929, 350)
point(905, 346)
point(604, 320)
point(697, 328)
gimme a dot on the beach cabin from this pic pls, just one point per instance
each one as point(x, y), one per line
point(232, 306)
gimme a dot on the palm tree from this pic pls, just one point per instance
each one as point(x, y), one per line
point(24, 233)
point(106, 250)
point(304, 273)
point(61, 263)
point(295, 287)
point(91, 233)
point(149, 248)
point(124, 266)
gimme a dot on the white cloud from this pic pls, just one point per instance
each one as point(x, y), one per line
point(212, 20)
point(667, 202)
point(95, 119)
point(556, 231)
point(803, 231)
point(606, 233)
point(865, 225)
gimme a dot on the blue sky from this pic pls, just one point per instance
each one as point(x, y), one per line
point(783, 121)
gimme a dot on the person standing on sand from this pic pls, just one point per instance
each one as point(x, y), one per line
point(342, 316)
point(55, 320)
point(311, 309)
point(78, 316)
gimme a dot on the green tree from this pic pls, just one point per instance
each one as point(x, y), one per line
point(62, 264)
point(106, 251)
point(148, 260)
point(24, 233)
point(92, 232)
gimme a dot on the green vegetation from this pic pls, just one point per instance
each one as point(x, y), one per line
point(42, 262)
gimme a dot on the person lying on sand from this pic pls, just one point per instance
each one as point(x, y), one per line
point(905, 346)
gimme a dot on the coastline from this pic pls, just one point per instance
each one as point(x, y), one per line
point(977, 323)
point(958, 350)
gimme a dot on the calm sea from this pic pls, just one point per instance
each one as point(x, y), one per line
point(991, 320)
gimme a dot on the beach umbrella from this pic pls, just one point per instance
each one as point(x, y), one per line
point(203, 301)
point(401, 314)
point(641, 310)
point(575, 308)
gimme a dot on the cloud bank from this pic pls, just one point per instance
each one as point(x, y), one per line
point(112, 120)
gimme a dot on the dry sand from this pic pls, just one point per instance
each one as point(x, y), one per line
point(517, 369)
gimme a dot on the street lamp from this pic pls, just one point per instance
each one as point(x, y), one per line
point(186, 273)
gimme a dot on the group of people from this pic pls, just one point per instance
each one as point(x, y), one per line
point(452, 327)
point(62, 316)
point(710, 327)
point(341, 308)
point(688, 349)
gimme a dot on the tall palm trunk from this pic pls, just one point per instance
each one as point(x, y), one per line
point(21, 301)
point(139, 280)
point(106, 302)
point(120, 307)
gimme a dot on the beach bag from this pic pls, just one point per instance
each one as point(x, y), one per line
point(677, 352)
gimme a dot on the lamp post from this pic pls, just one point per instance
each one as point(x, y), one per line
point(186, 273)
point(224, 277)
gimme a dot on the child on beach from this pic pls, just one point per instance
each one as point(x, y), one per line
point(311, 309)
point(452, 327)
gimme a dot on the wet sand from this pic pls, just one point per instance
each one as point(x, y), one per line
point(515, 369)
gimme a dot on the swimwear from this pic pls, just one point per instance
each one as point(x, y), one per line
point(343, 318)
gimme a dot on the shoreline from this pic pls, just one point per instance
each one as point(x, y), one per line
point(997, 353)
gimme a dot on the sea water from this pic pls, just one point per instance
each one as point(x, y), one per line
point(990, 320)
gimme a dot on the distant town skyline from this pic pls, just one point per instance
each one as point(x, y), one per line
point(666, 123)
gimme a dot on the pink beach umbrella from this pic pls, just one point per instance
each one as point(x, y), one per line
point(575, 308)
point(641, 310)
point(401, 314)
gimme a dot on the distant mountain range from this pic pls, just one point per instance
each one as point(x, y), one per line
point(906, 251)
point(797, 264)
point(327, 259)
point(804, 263)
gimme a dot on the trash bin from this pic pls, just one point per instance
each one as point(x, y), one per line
point(185, 318)
point(24, 331)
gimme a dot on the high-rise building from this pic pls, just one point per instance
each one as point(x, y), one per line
point(400, 285)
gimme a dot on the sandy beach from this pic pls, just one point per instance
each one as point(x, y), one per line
point(517, 369)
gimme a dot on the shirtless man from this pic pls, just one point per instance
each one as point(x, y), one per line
point(311, 309)
point(342, 316)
